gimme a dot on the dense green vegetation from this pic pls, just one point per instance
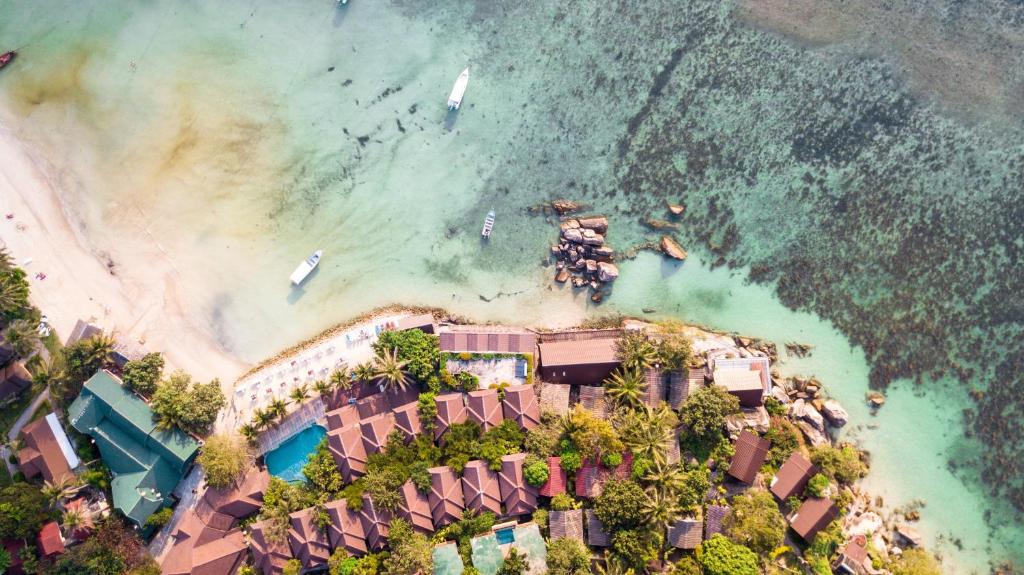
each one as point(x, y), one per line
point(193, 407)
point(225, 458)
point(143, 375)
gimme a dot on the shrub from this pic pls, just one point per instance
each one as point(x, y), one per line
point(571, 461)
point(755, 521)
point(568, 557)
point(292, 567)
point(818, 485)
point(674, 352)
point(411, 552)
point(915, 562)
point(719, 556)
point(428, 412)
point(784, 438)
point(640, 467)
point(160, 518)
point(775, 407)
point(563, 502)
point(322, 473)
point(536, 473)
point(611, 459)
point(840, 463)
point(686, 566)
point(515, 563)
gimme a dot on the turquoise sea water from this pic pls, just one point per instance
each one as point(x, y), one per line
point(862, 163)
point(288, 459)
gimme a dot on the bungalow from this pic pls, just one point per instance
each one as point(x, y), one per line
point(751, 452)
point(346, 445)
point(47, 450)
point(415, 508)
point(242, 499)
point(681, 385)
point(478, 339)
point(372, 405)
point(269, 555)
point(446, 500)
point(480, 488)
point(520, 405)
point(484, 408)
point(716, 515)
point(450, 410)
point(82, 330)
point(748, 378)
point(375, 431)
point(14, 379)
point(423, 322)
point(686, 533)
point(566, 524)
point(50, 540)
point(592, 399)
point(596, 535)
point(342, 417)
point(853, 557)
point(591, 476)
point(792, 477)
point(814, 515)
point(554, 397)
point(584, 362)
point(308, 543)
point(146, 462)
point(407, 420)
point(376, 521)
point(516, 495)
point(555, 485)
point(346, 528)
point(654, 392)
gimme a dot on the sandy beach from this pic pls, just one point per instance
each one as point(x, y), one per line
point(140, 304)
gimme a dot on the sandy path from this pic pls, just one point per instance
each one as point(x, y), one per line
point(139, 304)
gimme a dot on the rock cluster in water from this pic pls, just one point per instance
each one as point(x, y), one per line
point(582, 257)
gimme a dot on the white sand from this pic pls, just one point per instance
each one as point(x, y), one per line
point(140, 304)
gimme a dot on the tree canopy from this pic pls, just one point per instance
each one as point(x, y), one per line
point(840, 463)
point(755, 521)
point(225, 458)
point(143, 375)
point(568, 556)
point(420, 351)
point(192, 407)
point(23, 510)
point(411, 552)
point(704, 412)
point(620, 505)
point(720, 556)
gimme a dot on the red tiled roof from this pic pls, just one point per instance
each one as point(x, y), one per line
point(751, 451)
point(814, 515)
point(201, 550)
point(480, 488)
point(346, 529)
point(376, 521)
point(488, 342)
point(415, 508)
point(42, 454)
point(584, 352)
point(346, 445)
point(375, 431)
point(484, 407)
point(450, 410)
point(792, 476)
point(308, 543)
point(516, 495)
point(51, 543)
point(520, 405)
point(556, 478)
point(343, 416)
point(407, 420)
point(269, 556)
point(591, 476)
point(446, 500)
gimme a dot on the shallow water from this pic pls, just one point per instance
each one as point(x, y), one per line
point(242, 137)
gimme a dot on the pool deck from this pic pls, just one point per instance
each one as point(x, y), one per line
point(488, 554)
point(312, 412)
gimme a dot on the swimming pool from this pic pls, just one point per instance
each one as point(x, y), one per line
point(505, 536)
point(291, 456)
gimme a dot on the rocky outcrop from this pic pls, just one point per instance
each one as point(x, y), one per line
point(565, 206)
point(597, 223)
point(660, 224)
point(675, 209)
point(805, 411)
point(814, 435)
point(607, 272)
point(834, 413)
point(755, 419)
point(582, 257)
point(672, 249)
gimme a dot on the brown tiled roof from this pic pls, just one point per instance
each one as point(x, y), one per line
point(14, 379)
point(446, 501)
point(42, 454)
point(516, 495)
point(346, 529)
point(51, 543)
point(554, 397)
point(716, 515)
point(376, 521)
point(686, 533)
point(216, 522)
point(398, 396)
point(654, 393)
point(407, 420)
point(792, 476)
point(450, 410)
point(242, 499)
point(488, 341)
point(343, 416)
point(585, 352)
point(596, 535)
point(592, 399)
point(854, 555)
point(309, 544)
point(566, 524)
point(268, 556)
point(373, 405)
point(672, 454)
point(555, 484)
point(484, 407)
point(423, 321)
point(415, 508)
point(751, 451)
point(375, 431)
point(591, 476)
point(346, 445)
point(200, 550)
point(520, 405)
point(480, 488)
point(814, 515)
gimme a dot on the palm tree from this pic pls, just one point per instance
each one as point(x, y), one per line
point(249, 431)
point(59, 490)
point(647, 435)
point(278, 409)
point(23, 337)
point(13, 294)
point(390, 370)
point(635, 350)
point(364, 372)
point(626, 388)
point(50, 373)
point(6, 260)
point(261, 419)
point(341, 379)
point(98, 349)
point(72, 520)
point(299, 394)
point(322, 387)
point(661, 509)
point(612, 565)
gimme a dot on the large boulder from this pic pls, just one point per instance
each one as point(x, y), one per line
point(565, 206)
point(573, 235)
point(672, 249)
point(779, 393)
point(603, 252)
point(834, 413)
point(909, 535)
point(755, 419)
point(805, 411)
point(597, 223)
point(563, 276)
point(607, 272)
point(593, 240)
point(675, 209)
point(814, 435)
point(570, 225)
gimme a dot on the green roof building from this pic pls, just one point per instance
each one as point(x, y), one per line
point(146, 462)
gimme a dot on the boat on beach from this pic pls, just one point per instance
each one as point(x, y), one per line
point(7, 57)
point(458, 90)
point(488, 224)
point(305, 268)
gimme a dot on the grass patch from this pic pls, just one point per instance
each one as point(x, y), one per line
point(10, 412)
point(40, 411)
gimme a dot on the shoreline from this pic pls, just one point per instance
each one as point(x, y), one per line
point(144, 307)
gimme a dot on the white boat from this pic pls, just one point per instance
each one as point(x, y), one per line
point(458, 90)
point(305, 268)
point(488, 224)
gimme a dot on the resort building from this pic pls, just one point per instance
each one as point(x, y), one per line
point(853, 557)
point(566, 525)
point(747, 378)
point(583, 362)
point(596, 535)
point(792, 477)
point(308, 543)
point(375, 431)
point(592, 399)
point(375, 521)
point(654, 391)
point(814, 515)
point(415, 508)
point(484, 408)
point(423, 322)
point(686, 533)
point(407, 420)
point(481, 339)
point(14, 379)
point(47, 452)
point(516, 495)
point(554, 397)
point(269, 555)
point(480, 488)
point(520, 405)
point(50, 541)
point(450, 410)
point(751, 452)
point(346, 529)
point(555, 485)
point(681, 385)
point(342, 417)
point(346, 446)
point(146, 462)
point(715, 517)
point(591, 476)
point(371, 405)
point(446, 500)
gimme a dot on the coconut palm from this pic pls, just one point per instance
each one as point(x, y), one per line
point(390, 370)
point(635, 350)
point(98, 349)
point(23, 337)
point(299, 394)
point(365, 372)
point(341, 379)
point(50, 373)
point(249, 431)
point(13, 294)
point(60, 489)
point(625, 387)
point(647, 435)
point(278, 409)
point(660, 510)
point(322, 387)
point(261, 419)
point(6, 260)
point(612, 565)
point(71, 521)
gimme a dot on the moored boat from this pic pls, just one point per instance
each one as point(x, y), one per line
point(7, 57)
point(488, 224)
point(305, 268)
point(458, 90)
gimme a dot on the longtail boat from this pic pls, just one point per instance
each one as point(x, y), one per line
point(7, 57)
